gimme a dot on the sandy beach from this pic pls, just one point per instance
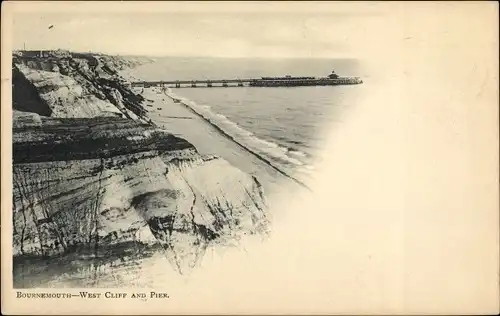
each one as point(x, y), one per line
point(178, 119)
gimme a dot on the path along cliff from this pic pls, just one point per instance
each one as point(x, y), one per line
point(96, 182)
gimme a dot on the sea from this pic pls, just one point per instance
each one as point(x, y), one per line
point(287, 126)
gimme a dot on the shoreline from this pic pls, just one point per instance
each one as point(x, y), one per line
point(183, 121)
point(231, 138)
point(298, 174)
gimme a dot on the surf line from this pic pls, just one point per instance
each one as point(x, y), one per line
point(220, 130)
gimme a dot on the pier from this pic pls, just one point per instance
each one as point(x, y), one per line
point(247, 83)
point(287, 81)
point(194, 83)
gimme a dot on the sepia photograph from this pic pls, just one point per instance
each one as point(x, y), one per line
point(250, 157)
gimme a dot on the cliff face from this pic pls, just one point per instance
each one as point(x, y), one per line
point(77, 85)
point(122, 63)
point(87, 181)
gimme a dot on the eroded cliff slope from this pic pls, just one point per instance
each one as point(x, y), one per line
point(75, 85)
point(92, 174)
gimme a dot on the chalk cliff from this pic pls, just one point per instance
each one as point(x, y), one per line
point(91, 173)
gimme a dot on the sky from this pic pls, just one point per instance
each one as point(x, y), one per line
point(290, 30)
point(235, 29)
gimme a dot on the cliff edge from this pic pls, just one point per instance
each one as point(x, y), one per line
point(93, 178)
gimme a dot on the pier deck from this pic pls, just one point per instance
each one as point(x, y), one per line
point(249, 82)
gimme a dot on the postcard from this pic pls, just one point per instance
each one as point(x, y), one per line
point(250, 158)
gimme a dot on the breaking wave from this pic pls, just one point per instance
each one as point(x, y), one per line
point(286, 160)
